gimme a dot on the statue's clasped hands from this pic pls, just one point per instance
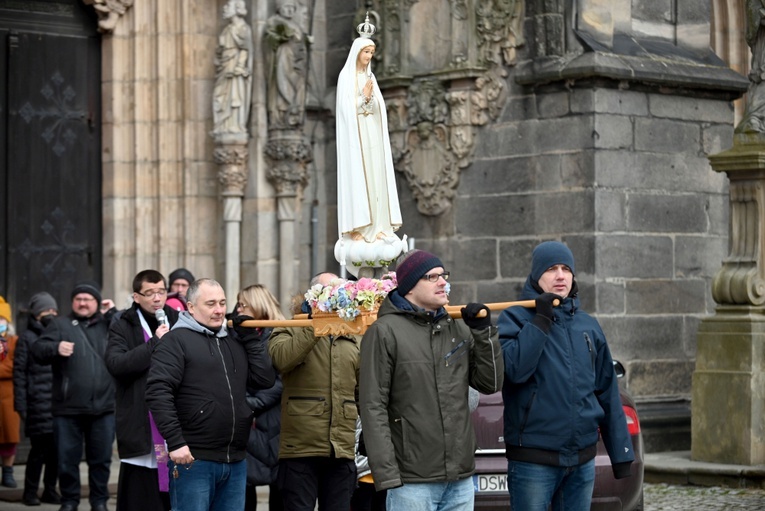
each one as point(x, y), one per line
point(368, 91)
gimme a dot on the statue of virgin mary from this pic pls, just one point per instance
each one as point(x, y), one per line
point(367, 201)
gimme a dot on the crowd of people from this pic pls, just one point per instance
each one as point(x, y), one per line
point(205, 407)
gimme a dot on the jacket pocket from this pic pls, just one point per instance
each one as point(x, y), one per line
point(399, 436)
point(350, 410)
point(202, 414)
point(311, 406)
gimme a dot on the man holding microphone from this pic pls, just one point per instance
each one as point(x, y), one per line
point(133, 338)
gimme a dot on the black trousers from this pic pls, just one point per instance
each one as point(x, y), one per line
point(303, 481)
point(274, 498)
point(42, 453)
point(138, 490)
point(365, 498)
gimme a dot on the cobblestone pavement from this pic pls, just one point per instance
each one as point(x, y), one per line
point(665, 497)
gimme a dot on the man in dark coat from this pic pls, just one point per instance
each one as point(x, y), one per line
point(560, 391)
point(83, 394)
point(133, 338)
point(32, 389)
point(196, 392)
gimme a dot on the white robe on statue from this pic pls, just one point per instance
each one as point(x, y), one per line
point(367, 200)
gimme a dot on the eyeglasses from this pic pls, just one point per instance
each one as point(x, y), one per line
point(151, 293)
point(433, 277)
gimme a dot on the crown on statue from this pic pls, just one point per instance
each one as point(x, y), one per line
point(366, 29)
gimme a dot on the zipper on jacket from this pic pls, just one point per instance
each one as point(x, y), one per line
point(589, 348)
point(231, 397)
point(525, 419)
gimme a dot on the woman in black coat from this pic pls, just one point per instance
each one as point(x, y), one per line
point(256, 302)
point(32, 394)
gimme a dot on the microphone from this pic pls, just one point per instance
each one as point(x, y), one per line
point(162, 317)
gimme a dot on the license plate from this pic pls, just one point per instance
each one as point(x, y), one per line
point(490, 483)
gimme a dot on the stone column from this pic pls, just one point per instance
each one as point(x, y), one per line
point(728, 393)
point(729, 380)
point(231, 156)
point(289, 154)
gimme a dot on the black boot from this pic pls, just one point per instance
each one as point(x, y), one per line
point(8, 480)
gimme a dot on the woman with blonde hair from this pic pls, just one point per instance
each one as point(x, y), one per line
point(257, 302)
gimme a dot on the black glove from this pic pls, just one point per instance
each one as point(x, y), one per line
point(470, 316)
point(621, 470)
point(243, 332)
point(545, 314)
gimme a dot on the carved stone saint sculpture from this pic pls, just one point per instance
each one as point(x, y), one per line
point(287, 61)
point(233, 72)
point(754, 113)
point(368, 210)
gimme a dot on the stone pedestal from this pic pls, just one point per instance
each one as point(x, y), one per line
point(728, 383)
point(729, 388)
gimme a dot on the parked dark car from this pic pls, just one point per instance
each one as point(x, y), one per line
point(490, 479)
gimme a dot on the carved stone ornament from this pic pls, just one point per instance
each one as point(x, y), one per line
point(741, 279)
point(232, 174)
point(288, 163)
point(443, 75)
point(109, 12)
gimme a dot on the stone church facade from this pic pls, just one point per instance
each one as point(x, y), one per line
point(512, 122)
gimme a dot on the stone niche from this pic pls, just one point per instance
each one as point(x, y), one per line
point(442, 67)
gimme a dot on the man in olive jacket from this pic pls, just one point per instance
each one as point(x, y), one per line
point(417, 365)
point(318, 435)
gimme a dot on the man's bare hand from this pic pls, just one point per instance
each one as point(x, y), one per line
point(182, 456)
point(161, 330)
point(65, 348)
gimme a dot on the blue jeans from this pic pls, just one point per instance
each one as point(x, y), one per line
point(97, 431)
point(208, 485)
point(533, 487)
point(447, 496)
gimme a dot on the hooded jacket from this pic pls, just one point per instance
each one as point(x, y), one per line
point(128, 357)
point(320, 377)
point(81, 383)
point(560, 388)
point(196, 389)
point(416, 370)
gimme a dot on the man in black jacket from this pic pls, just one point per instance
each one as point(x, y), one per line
point(83, 394)
point(143, 480)
point(196, 392)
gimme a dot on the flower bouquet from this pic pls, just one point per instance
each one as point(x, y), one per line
point(354, 302)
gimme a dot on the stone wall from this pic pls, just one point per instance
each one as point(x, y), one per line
point(614, 164)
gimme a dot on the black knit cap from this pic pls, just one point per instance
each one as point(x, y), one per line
point(547, 254)
point(88, 286)
point(180, 273)
point(42, 302)
point(415, 264)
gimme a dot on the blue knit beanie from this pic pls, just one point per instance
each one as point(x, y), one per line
point(415, 264)
point(548, 254)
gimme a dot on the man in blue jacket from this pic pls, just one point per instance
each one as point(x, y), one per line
point(560, 388)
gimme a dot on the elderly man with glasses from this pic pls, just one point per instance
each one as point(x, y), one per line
point(133, 338)
point(417, 365)
point(83, 394)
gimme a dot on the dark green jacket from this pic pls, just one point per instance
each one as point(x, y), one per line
point(320, 377)
point(415, 372)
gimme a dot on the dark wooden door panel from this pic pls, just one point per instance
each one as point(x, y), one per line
point(53, 204)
